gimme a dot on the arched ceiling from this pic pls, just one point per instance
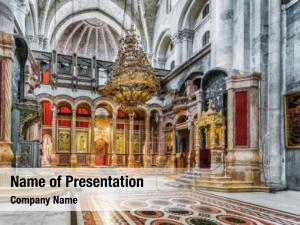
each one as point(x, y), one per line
point(68, 24)
point(90, 37)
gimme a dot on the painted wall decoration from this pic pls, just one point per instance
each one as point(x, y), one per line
point(292, 120)
point(169, 141)
point(120, 142)
point(82, 141)
point(64, 140)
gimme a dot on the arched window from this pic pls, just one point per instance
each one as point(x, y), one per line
point(205, 11)
point(205, 39)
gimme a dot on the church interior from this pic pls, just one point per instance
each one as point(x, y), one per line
point(208, 86)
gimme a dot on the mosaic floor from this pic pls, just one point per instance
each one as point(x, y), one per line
point(186, 207)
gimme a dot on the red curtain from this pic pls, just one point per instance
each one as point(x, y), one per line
point(82, 124)
point(83, 112)
point(120, 126)
point(65, 110)
point(64, 123)
point(45, 77)
point(241, 118)
point(121, 114)
point(46, 113)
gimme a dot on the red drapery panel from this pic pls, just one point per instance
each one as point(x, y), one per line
point(241, 118)
point(82, 124)
point(64, 123)
point(83, 112)
point(121, 114)
point(65, 110)
point(46, 113)
point(45, 77)
point(120, 126)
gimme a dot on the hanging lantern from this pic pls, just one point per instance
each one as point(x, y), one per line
point(132, 81)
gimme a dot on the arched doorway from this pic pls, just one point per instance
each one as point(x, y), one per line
point(214, 96)
point(103, 134)
point(182, 142)
point(101, 152)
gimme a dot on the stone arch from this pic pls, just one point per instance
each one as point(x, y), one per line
point(162, 44)
point(179, 115)
point(190, 16)
point(156, 107)
point(105, 101)
point(83, 100)
point(63, 98)
point(167, 122)
point(44, 97)
point(213, 87)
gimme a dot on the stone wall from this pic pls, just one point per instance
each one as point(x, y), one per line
point(292, 82)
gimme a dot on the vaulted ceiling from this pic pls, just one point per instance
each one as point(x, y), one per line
point(91, 27)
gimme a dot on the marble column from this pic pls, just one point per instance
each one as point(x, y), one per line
point(192, 154)
point(173, 158)
point(22, 11)
point(114, 158)
point(6, 58)
point(54, 138)
point(197, 146)
point(222, 33)
point(177, 41)
point(161, 159)
point(242, 162)
point(187, 44)
point(199, 102)
point(146, 153)
point(73, 139)
point(275, 150)
point(131, 159)
point(92, 140)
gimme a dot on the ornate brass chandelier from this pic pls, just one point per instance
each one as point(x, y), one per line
point(132, 81)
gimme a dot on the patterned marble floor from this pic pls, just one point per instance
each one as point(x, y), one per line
point(179, 207)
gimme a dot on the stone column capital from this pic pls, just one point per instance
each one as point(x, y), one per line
point(6, 45)
point(242, 81)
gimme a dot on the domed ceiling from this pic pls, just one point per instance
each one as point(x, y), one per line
point(88, 38)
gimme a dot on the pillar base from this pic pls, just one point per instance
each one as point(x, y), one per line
point(131, 162)
point(243, 164)
point(147, 161)
point(53, 160)
point(114, 160)
point(161, 161)
point(6, 154)
point(191, 159)
point(92, 160)
point(173, 161)
point(73, 160)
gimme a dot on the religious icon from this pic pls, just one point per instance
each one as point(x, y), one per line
point(136, 142)
point(120, 142)
point(82, 141)
point(64, 140)
point(292, 120)
point(169, 140)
